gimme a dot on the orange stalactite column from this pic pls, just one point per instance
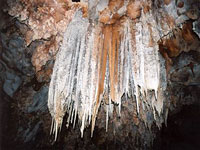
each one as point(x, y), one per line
point(110, 51)
point(113, 60)
point(103, 51)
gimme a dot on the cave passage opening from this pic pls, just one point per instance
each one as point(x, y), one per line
point(182, 130)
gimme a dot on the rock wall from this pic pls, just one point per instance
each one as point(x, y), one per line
point(165, 39)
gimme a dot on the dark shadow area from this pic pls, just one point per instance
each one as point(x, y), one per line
point(182, 131)
point(75, 0)
point(4, 118)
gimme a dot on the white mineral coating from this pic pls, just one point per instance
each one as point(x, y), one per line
point(123, 9)
point(93, 9)
point(185, 7)
point(196, 27)
point(69, 80)
point(102, 5)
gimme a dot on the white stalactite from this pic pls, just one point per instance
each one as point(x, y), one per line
point(77, 76)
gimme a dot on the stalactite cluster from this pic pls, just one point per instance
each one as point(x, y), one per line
point(110, 49)
point(101, 61)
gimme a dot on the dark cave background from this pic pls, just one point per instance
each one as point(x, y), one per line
point(182, 131)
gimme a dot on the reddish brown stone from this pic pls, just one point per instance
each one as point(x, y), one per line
point(146, 8)
point(134, 9)
point(43, 53)
point(180, 4)
point(167, 2)
point(193, 14)
point(187, 33)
